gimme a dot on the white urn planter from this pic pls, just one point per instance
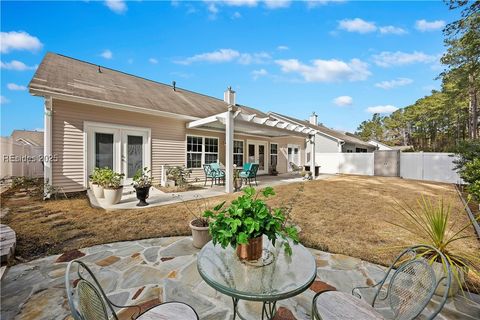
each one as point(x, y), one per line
point(97, 190)
point(113, 196)
point(200, 235)
point(454, 286)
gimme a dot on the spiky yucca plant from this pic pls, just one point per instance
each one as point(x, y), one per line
point(431, 224)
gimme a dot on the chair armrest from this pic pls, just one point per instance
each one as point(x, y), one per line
point(135, 314)
point(358, 295)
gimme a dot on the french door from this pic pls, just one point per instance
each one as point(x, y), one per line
point(257, 153)
point(293, 156)
point(120, 148)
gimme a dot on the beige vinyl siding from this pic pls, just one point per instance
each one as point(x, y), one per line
point(167, 139)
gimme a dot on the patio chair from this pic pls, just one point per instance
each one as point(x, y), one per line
point(406, 290)
point(295, 168)
point(209, 174)
point(88, 301)
point(218, 172)
point(249, 172)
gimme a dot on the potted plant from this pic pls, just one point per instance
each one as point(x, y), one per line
point(432, 225)
point(178, 175)
point(112, 186)
point(237, 181)
point(199, 225)
point(273, 169)
point(142, 181)
point(244, 222)
point(96, 182)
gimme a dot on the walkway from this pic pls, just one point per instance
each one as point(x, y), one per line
point(164, 269)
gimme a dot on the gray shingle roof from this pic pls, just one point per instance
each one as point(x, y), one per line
point(65, 75)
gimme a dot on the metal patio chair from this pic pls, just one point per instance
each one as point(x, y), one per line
point(209, 174)
point(406, 290)
point(88, 301)
point(249, 172)
point(219, 173)
point(295, 168)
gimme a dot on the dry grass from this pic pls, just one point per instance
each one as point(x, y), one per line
point(345, 214)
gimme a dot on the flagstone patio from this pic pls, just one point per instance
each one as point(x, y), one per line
point(164, 269)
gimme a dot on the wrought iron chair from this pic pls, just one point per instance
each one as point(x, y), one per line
point(88, 301)
point(249, 173)
point(406, 290)
point(295, 168)
point(209, 174)
point(219, 173)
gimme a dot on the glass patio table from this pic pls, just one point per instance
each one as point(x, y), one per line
point(276, 276)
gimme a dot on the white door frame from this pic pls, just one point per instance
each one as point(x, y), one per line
point(90, 127)
point(256, 143)
point(124, 155)
point(293, 146)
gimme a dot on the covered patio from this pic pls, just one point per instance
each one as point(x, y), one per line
point(239, 120)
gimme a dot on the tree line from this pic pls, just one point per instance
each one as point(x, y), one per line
point(444, 118)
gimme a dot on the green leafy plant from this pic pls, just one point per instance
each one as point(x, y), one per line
point(142, 178)
point(433, 226)
point(470, 173)
point(248, 217)
point(97, 175)
point(179, 175)
point(111, 179)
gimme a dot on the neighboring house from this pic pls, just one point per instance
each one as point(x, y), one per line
point(28, 137)
point(328, 140)
point(382, 146)
point(99, 117)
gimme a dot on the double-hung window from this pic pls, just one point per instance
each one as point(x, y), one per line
point(273, 155)
point(238, 153)
point(201, 150)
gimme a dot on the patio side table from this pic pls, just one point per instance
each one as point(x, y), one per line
point(280, 278)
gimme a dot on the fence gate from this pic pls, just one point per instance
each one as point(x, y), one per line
point(387, 163)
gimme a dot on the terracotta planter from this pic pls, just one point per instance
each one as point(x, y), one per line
point(454, 286)
point(113, 196)
point(97, 190)
point(142, 196)
point(200, 235)
point(251, 251)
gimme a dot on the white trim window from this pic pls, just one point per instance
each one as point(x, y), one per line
point(238, 147)
point(201, 150)
point(274, 155)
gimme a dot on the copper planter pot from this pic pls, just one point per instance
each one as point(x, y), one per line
point(252, 250)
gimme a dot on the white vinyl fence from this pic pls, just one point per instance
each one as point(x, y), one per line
point(19, 160)
point(427, 166)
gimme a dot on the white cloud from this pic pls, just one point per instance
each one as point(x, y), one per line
point(424, 25)
point(236, 15)
point(212, 8)
point(277, 4)
point(227, 55)
point(107, 54)
point(388, 59)
point(392, 30)
point(18, 40)
point(327, 70)
point(399, 82)
point(240, 3)
point(259, 73)
point(357, 25)
point(4, 100)
point(16, 87)
point(117, 6)
point(282, 48)
point(16, 65)
point(153, 61)
point(317, 3)
point(382, 109)
point(257, 58)
point(343, 101)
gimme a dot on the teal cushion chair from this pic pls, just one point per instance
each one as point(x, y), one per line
point(209, 173)
point(249, 172)
point(219, 173)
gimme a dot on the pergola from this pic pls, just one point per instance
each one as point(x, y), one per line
point(238, 120)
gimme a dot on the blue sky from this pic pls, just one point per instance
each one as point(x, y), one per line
point(341, 59)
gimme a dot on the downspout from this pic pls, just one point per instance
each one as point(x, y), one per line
point(47, 145)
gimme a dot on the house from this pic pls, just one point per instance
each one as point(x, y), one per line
point(381, 146)
point(28, 137)
point(329, 140)
point(97, 117)
point(22, 154)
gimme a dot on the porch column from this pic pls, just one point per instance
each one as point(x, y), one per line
point(229, 128)
point(312, 155)
point(47, 142)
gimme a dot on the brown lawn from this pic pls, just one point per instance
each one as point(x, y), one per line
point(344, 214)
